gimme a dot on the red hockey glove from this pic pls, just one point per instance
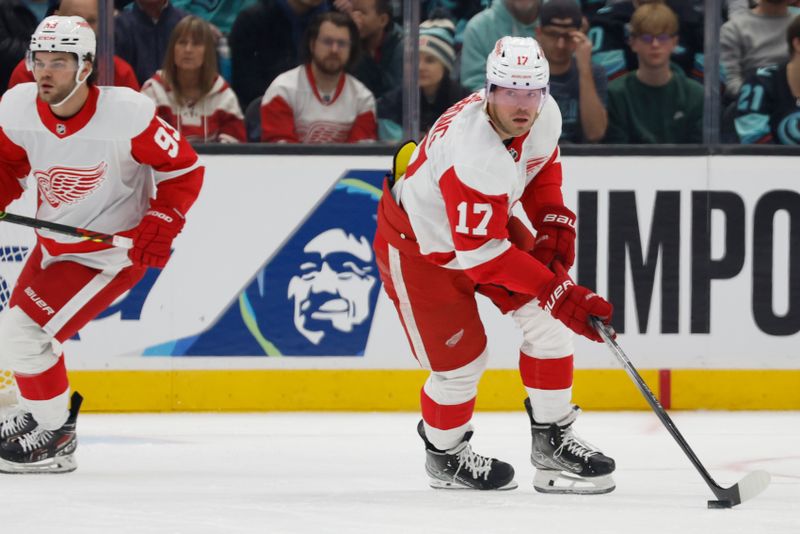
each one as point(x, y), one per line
point(555, 236)
point(152, 239)
point(573, 305)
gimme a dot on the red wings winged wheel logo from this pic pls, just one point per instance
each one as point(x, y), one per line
point(69, 185)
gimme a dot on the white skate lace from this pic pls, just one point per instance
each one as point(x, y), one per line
point(35, 438)
point(13, 422)
point(574, 445)
point(474, 463)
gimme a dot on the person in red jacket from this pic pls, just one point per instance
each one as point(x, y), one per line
point(86, 9)
point(318, 102)
point(102, 159)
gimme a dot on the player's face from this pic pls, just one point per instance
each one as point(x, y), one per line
point(654, 50)
point(54, 73)
point(431, 70)
point(331, 49)
point(513, 111)
point(189, 53)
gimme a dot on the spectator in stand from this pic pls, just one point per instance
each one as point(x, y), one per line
point(17, 23)
point(610, 35)
point(318, 102)
point(437, 89)
point(751, 39)
point(656, 103)
point(381, 64)
point(220, 13)
point(141, 34)
point(189, 92)
point(768, 110)
point(266, 40)
point(123, 72)
point(578, 85)
point(460, 12)
point(504, 17)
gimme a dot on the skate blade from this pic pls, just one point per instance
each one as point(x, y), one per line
point(550, 481)
point(59, 464)
point(435, 483)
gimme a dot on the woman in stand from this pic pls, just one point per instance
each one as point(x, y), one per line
point(189, 92)
point(438, 90)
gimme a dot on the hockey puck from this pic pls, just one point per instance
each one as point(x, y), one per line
point(720, 504)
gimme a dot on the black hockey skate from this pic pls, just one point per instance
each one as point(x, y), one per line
point(43, 451)
point(564, 462)
point(14, 422)
point(462, 468)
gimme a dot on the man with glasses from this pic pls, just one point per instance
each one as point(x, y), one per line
point(101, 158)
point(656, 103)
point(318, 102)
point(445, 233)
point(578, 85)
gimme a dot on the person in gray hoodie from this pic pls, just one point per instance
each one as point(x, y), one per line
point(504, 17)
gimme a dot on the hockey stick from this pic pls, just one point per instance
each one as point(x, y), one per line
point(88, 235)
point(747, 488)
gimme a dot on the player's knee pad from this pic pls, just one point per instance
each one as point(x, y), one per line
point(543, 335)
point(458, 385)
point(24, 346)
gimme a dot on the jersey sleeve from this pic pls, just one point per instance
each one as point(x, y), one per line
point(545, 188)
point(277, 121)
point(176, 167)
point(14, 168)
point(478, 227)
point(365, 127)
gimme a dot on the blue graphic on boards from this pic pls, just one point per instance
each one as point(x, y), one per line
point(316, 296)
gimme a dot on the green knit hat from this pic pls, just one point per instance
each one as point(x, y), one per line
point(437, 37)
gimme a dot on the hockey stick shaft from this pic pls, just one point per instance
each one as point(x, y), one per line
point(750, 486)
point(604, 331)
point(97, 237)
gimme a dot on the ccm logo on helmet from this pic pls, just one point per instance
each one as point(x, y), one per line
point(559, 219)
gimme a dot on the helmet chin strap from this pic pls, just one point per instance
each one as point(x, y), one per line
point(78, 83)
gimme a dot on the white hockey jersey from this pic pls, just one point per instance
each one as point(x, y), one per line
point(100, 169)
point(293, 111)
point(462, 182)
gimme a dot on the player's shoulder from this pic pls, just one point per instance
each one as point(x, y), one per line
point(358, 86)
point(481, 160)
point(285, 84)
point(125, 111)
point(17, 103)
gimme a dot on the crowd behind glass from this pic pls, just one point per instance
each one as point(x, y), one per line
point(331, 71)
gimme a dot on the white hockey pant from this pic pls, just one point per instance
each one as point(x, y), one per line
point(26, 349)
point(453, 390)
point(547, 342)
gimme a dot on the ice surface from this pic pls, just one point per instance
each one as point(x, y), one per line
point(363, 473)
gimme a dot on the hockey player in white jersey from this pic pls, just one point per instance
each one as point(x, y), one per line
point(446, 232)
point(100, 159)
